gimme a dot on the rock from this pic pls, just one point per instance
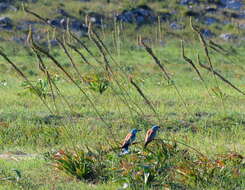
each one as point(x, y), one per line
point(228, 36)
point(96, 18)
point(210, 20)
point(140, 15)
point(5, 20)
point(126, 16)
point(74, 24)
point(51, 43)
point(54, 43)
point(79, 26)
point(63, 13)
point(22, 39)
point(211, 10)
point(176, 26)
point(242, 26)
point(232, 4)
point(56, 22)
point(6, 6)
point(192, 13)
point(19, 40)
point(6, 23)
point(241, 16)
point(165, 16)
point(207, 33)
point(236, 15)
point(189, 2)
point(3, 7)
point(24, 25)
point(38, 37)
point(59, 22)
point(226, 22)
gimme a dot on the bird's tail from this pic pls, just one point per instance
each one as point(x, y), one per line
point(125, 147)
point(145, 145)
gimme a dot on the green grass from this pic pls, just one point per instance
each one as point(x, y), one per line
point(210, 124)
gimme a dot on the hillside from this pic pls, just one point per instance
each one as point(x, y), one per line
point(221, 19)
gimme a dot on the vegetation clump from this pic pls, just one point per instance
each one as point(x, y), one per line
point(162, 165)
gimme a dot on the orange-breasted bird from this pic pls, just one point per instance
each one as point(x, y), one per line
point(129, 139)
point(151, 134)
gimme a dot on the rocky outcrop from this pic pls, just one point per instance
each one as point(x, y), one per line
point(140, 15)
point(176, 26)
point(207, 33)
point(228, 37)
point(232, 4)
point(6, 7)
point(6, 23)
point(188, 2)
point(73, 24)
point(96, 18)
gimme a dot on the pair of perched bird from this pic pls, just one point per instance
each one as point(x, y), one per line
point(130, 138)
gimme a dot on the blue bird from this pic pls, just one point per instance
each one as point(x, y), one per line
point(129, 139)
point(151, 134)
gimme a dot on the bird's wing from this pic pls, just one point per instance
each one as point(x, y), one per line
point(149, 135)
point(127, 140)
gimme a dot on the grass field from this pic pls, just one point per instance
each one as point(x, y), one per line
point(208, 116)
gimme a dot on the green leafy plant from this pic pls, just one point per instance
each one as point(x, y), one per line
point(76, 164)
point(97, 83)
point(80, 164)
point(40, 87)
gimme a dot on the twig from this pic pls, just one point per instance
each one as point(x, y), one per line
point(220, 76)
point(166, 76)
point(144, 97)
